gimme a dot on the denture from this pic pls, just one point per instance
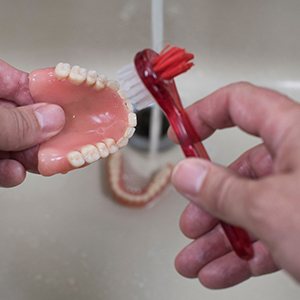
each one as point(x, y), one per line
point(132, 195)
point(99, 120)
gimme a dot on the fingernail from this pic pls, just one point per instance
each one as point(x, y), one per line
point(188, 176)
point(51, 117)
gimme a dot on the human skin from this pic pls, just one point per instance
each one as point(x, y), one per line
point(259, 191)
point(24, 126)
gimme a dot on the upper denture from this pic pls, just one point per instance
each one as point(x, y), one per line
point(99, 120)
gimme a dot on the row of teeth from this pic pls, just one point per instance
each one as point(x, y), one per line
point(91, 153)
point(78, 75)
point(157, 184)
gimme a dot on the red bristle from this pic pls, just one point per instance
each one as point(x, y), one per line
point(169, 53)
point(168, 46)
point(171, 62)
point(177, 58)
point(175, 71)
point(166, 53)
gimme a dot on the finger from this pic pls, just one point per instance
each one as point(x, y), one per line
point(7, 103)
point(256, 162)
point(195, 222)
point(172, 136)
point(14, 85)
point(12, 173)
point(28, 158)
point(202, 251)
point(229, 270)
point(4, 155)
point(222, 192)
point(258, 111)
point(23, 127)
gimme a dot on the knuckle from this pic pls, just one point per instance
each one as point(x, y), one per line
point(240, 90)
point(22, 127)
point(257, 206)
point(242, 86)
point(223, 195)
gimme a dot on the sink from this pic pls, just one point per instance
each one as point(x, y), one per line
point(64, 237)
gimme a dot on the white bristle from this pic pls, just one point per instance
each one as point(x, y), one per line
point(137, 91)
point(133, 87)
point(125, 69)
point(132, 82)
point(136, 99)
point(145, 103)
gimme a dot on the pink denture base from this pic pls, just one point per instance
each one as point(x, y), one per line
point(91, 116)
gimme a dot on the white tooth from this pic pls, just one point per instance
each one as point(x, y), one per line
point(122, 142)
point(83, 72)
point(111, 145)
point(157, 185)
point(103, 78)
point(115, 183)
point(75, 158)
point(100, 82)
point(113, 84)
point(147, 198)
point(99, 85)
point(150, 193)
point(117, 157)
point(121, 94)
point(123, 194)
point(115, 161)
point(102, 150)
point(129, 132)
point(115, 175)
point(77, 75)
point(137, 199)
point(62, 70)
point(132, 119)
point(162, 178)
point(91, 77)
point(129, 106)
point(90, 153)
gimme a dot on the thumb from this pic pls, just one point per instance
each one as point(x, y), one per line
point(216, 189)
point(26, 126)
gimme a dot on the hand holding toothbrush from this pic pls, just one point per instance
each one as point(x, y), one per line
point(260, 191)
point(151, 79)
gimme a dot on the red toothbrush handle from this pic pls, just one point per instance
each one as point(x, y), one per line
point(192, 147)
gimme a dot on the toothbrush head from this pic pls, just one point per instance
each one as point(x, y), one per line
point(150, 78)
point(171, 62)
point(157, 72)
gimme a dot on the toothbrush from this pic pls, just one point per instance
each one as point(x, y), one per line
point(151, 79)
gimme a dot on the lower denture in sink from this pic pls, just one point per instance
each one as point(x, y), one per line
point(125, 188)
point(99, 120)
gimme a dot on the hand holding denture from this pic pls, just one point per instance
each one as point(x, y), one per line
point(23, 126)
point(57, 119)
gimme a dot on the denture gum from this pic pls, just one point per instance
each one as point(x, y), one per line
point(99, 120)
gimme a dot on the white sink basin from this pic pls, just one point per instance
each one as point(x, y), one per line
point(63, 237)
